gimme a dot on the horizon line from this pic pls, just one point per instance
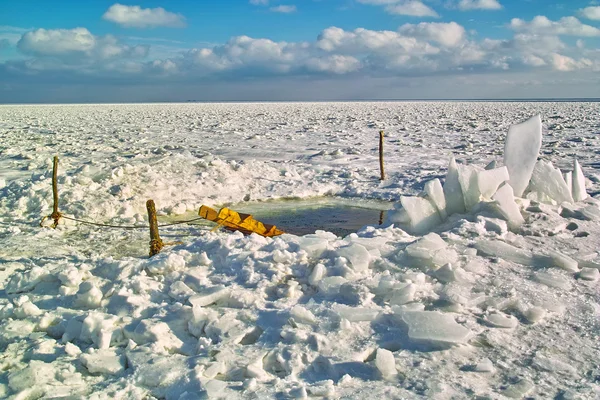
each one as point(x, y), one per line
point(499, 100)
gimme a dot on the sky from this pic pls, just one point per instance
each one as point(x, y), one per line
point(299, 50)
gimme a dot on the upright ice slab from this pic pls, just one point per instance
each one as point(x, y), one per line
point(435, 192)
point(490, 180)
point(506, 205)
point(467, 176)
point(578, 183)
point(423, 215)
point(548, 185)
point(521, 149)
point(455, 202)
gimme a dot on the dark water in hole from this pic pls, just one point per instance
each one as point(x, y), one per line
point(302, 217)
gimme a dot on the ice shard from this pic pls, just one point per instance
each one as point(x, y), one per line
point(521, 149)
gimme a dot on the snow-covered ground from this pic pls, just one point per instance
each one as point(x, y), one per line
point(378, 314)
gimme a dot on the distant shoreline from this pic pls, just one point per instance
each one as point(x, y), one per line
point(508, 100)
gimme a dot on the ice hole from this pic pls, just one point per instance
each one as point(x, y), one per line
point(341, 216)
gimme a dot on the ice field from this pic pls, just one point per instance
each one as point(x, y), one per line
point(482, 282)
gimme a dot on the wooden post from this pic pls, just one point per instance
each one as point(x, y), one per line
point(55, 213)
point(155, 243)
point(381, 156)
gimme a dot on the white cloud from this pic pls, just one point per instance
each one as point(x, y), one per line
point(10, 35)
point(137, 17)
point(69, 48)
point(592, 13)
point(57, 41)
point(413, 50)
point(259, 2)
point(284, 9)
point(564, 63)
point(412, 8)
point(541, 25)
point(378, 2)
point(533, 61)
point(447, 34)
point(336, 64)
point(366, 41)
point(466, 5)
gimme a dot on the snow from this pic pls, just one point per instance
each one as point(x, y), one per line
point(470, 288)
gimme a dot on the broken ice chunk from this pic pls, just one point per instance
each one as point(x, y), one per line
point(103, 362)
point(523, 143)
point(484, 365)
point(578, 187)
point(448, 273)
point(489, 181)
point(507, 207)
point(314, 246)
point(317, 274)
point(88, 295)
point(519, 389)
point(435, 192)
point(467, 176)
point(534, 314)
point(209, 296)
point(548, 185)
point(302, 315)
point(500, 320)
point(404, 295)
point(562, 261)
point(568, 176)
point(552, 280)
point(385, 362)
point(431, 251)
point(358, 256)
point(423, 215)
point(434, 327)
point(589, 274)
point(497, 248)
point(356, 314)
point(455, 202)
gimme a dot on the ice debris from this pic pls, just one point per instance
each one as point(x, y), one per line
point(523, 143)
point(468, 188)
point(434, 327)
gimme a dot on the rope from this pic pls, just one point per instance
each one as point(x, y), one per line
point(127, 226)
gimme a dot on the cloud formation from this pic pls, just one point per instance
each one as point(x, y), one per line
point(419, 50)
point(541, 25)
point(77, 49)
point(284, 9)
point(465, 5)
point(137, 17)
point(592, 13)
point(412, 8)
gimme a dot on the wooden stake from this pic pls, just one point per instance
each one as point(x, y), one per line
point(156, 244)
point(381, 156)
point(55, 214)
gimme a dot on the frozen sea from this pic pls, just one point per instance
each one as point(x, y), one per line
point(468, 311)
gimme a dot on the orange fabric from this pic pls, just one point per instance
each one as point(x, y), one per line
point(238, 221)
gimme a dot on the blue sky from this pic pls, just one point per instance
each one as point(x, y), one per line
point(74, 51)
